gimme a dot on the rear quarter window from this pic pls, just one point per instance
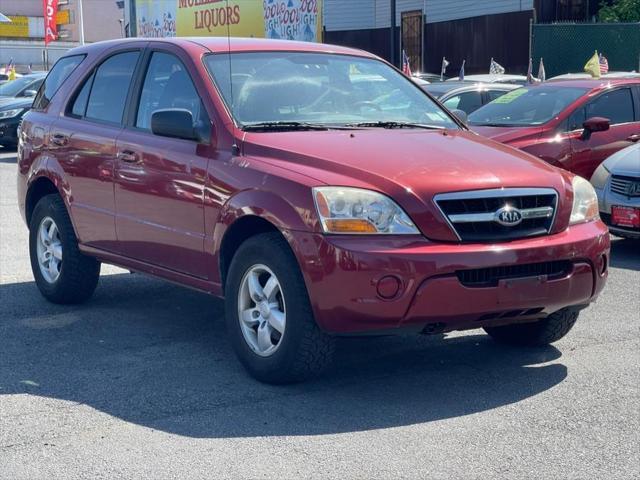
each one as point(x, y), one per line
point(56, 77)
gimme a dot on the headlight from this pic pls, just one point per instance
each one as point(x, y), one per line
point(585, 201)
point(11, 113)
point(600, 177)
point(355, 210)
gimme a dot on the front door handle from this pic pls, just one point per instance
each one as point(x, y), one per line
point(634, 138)
point(59, 139)
point(128, 156)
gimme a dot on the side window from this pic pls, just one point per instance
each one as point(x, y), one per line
point(58, 74)
point(167, 84)
point(616, 105)
point(32, 86)
point(110, 87)
point(576, 119)
point(79, 108)
point(467, 102)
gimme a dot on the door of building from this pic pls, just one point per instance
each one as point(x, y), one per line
point(412, 35)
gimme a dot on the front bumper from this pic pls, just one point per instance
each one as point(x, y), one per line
point(9, 130)
point(351, 280)
point(608, 198)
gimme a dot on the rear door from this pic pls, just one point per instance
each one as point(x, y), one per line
point(159, 181)
point(619, 107)
point(84, 141)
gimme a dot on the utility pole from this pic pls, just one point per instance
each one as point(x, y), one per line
point(392, 57)
point(80, 22)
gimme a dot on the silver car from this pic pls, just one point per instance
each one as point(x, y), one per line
point(617, 182)
point(467, 96)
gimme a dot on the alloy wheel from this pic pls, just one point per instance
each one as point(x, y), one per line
point(261, 310)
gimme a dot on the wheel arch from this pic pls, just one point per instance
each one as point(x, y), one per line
point(39, 188)
point(242, 218)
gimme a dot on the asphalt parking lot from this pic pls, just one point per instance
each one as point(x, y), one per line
point(140, 382)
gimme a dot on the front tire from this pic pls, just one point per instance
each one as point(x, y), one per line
point(537, 334)
point(63, 274)
point(269, 318)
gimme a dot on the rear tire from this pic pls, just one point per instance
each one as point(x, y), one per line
point(63, 274)
point(540, 333)
point(297, 349)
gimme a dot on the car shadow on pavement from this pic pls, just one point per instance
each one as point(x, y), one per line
point(154, 354)
point(625, 253)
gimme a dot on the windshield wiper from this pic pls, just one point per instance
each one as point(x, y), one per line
point(274, 126)
point(391, 124)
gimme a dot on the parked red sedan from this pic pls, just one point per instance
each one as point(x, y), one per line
point(315, 187)
point(573, 124)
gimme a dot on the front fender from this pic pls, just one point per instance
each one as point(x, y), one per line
point(295, 213)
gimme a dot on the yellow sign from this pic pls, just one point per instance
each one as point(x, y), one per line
point(63, 18)
point(19, 27)
point(285, 19)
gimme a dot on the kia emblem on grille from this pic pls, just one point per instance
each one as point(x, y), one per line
point(633, 189)
point(508, 216)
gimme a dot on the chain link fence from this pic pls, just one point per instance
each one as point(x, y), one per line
point(566, 47)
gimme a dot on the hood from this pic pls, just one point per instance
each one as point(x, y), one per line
point(7, 103)
point(410, 166)
point(508, 134)
point(625, 162)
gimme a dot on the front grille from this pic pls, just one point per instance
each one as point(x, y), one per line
point(489, 277)
point(474, 215)
point(627, 186)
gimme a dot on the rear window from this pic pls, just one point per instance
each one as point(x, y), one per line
point(58, 74)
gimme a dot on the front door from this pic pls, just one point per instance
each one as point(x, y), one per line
point(588, 153)
point(412, 25)
point(159, 181)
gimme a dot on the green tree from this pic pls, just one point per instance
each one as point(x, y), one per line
point(620, 11)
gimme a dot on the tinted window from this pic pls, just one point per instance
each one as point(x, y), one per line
point(527, 106)
point(80, 103)
point(467, 102)
point(110, 88)
point(320, 88)
point(616, 105)
point(58, 74)
point(576, 120)
point(166, 85)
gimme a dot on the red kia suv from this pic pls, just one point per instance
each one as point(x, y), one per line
point(573, 124)
point(314, 187)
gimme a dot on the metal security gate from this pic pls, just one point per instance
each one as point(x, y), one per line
point(412, 38)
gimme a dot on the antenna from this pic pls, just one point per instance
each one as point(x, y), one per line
point(235, 150)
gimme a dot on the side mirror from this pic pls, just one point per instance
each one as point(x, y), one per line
point(174, 123)
point(30, 93)
point(460, 115)
point(595, 124)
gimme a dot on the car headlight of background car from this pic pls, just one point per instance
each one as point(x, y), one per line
point(14, 112)
point(585, 202)
point(355, 210)
point(600, 177)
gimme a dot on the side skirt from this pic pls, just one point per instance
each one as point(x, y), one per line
point(178, 278)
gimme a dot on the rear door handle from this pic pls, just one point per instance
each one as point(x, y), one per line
point(128, 156)
point(634, 138)
point(59, 139)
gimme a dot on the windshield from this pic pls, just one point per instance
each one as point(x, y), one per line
point(12, 88)
point(321, 89)
point(526, 106)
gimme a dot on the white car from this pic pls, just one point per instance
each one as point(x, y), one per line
point(617, 183)
point(489, 78)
